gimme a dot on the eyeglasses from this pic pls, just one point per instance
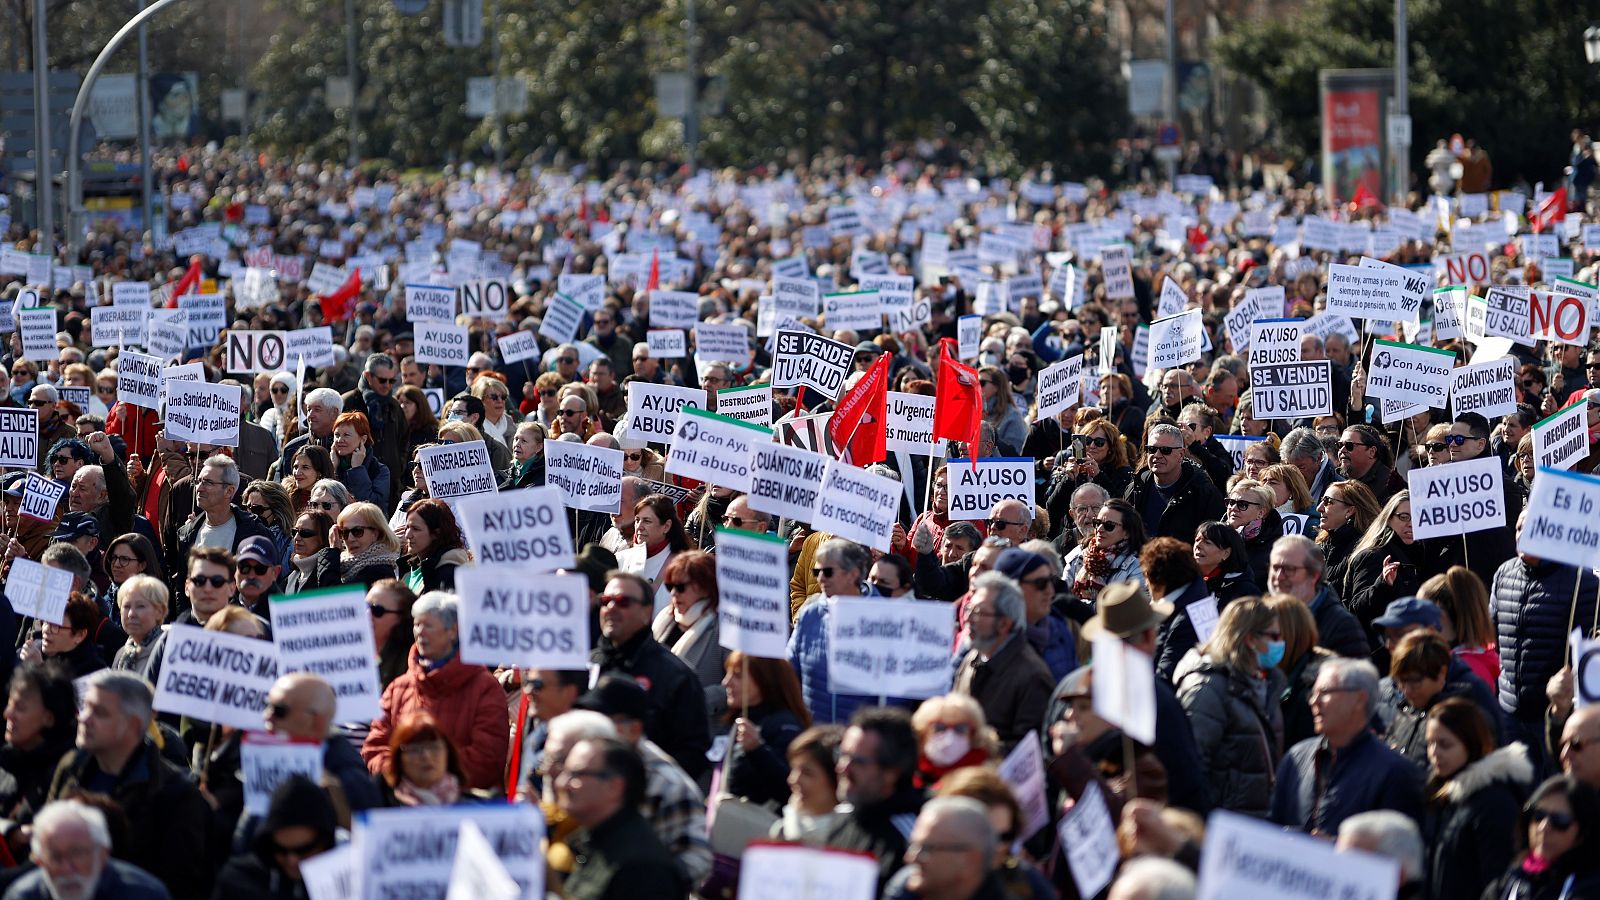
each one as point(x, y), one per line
point(569, 413)
point(422, 748)
point(1241, 503)
point(547, 393)
point(1331, 499)
point(957, 727)
point(279, 390)
point(250, 567)
point(1456, 440)
point(307, 533)
point(1192, 426)
point(355, 531)
point(1096, 441)
point(1164, 451)
point(599, 322)
point(1435, 446)
point(580, 774)
point(379, 380)
point(40, 401)
point(1560, 821)
point(326, 505)
point(1324, 694)
point(1038, 584)
point(1349, 446)
point(378, 610)
point(215, 581)
point(918, 851)
point(620, 601)
point(258, 509)
point(677, 587)
point(738, 521)
point(567, 360)
point(1107, 524)
point(1002, 523)
point(633, 457)
point(1280, 567)
point(1404, 517)
point(1592, 366)
point(1524, 454)
point(106, 389)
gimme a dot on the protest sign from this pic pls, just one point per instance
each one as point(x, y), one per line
point(1116, 267)
point(411, 851)
point(41, 496)
point(1125, 687)
point(969, 335)
point(477, 873)
point(518, 615)
point(895, 292)
point(1585, 660)
point(1457, 497)
point(1176, 340)
point(1246, 857)
point(589, 477)
point(1410, 373)
point(724, 343)
point(1362, 293)
point(894, 648)
point(216, 677)
point(783, 871)
point(974, 490)
point(1561, 438)
point(39, 591)
point(714, 448)
point(457, 470)
point(314, 345)
point(257, 351)
point(1173, 299)
point(524, 526)
point(857, 505)
point(1109, 342)
point(911, 316)
point(441, 344)
point(751, 404)
point(19, 438)
point(328, 632)
point(1507, 314)
point(1059, 386)
point(1560, 524)
point(170, 375)
point(589, 291)
point(1237, 322)
point(38, 329)
point(1449, 312)
point(1291, 390)
point(753, 581)
point(518, 346)
point(653, 409)
point(562, 316)
point(116, 326)
point(430, 303)
point(486, 298)
point(674, 309)
point(207, 315)
point(1236, 445)
point(667, 343)
point(1089, 839)
point(1408, 288)
point(908, 423)
point(1564, 313)
point(203, 413)
point(1274, 341)
point(331, 875)
point(1023, 770)
point(166, 334)
point(785, 481)
point(798, 297)
point(811, 360)
point(855, 311)
point(268, 760)
point(131, 293)
point(1488, 388)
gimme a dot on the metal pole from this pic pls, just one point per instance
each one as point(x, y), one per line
point(1400, 153)
point(43, 171)
point(80, 106)
point(350, 68)
point(691, 120)
point(499, 119)
point(142, 85)
point(244, 80)
point(1170, 101)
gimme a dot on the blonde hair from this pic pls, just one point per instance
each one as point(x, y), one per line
point(460, 431)
point(933, 709)
point(1261, 492)
point(367, 514)
point(233, 620)
point(1299, 494)
point(148, 588)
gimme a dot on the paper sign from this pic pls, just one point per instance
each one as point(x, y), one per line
point(1173, 299)
point(714, 449)
point(430, 303)
point(1108, 350)
point(855, 311)
point(1203, 615)
point(653, 409)
point(1561, 523)
point(751, 404)
point(165, 338)
point(667, 343)
point(1409, 288)
point(411, 851)
point(486, 298)
point(896, 648)
point(314, 345)
point(216, 677)
point(526, 526)
point(331, 875)
point(457, 470)
point(724, 343)
point(328, 632)
point(796, 297)
point(1274, 341)
point(1291, 390)
point(1562, 438)
point(38, 328)
point(203, 413)
point(1125, 688)
point(1508, 314)
point(1116, 267)
point(1488, 388)
point(785, 481)
point(1246, 857)
point(674, 309)
point(1449, 313)
point(441, 344)
point(969, 336)
point(1058, 388)
point(477, 873)
point(267, 760)
point(1362, 293)
point(515, 615)
point(909, 423)
point(19, 438)
point(562, 316)
point(1409, 373)
point(40, 592)
point(1089, 838)
point(1176, 340)
point(1564, 313)
point(41, 496)
point(257, 351)
point(753, 581)
point(975, 491)
point(131, 293)
point(774, 871)
point(857, 505)
point(1295, 523)
point(589, 477)
point(1023, 770)
point(115, 326)
point(1457, 497)
point(816, 362)
point(589, 291)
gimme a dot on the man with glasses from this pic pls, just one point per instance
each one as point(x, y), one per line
point(546, 693)
point(256, 576)
point(951, 854)
point(1083, 506)
point(1360, 458)
point(219, 523)
point(626, 646)
point(1345, 769)
point(1178, 387)
point(715, 377)
point(53, 426)
point(563, 361)
point(1174, 495)
point(66, 457)
point(877, 761)
point(374, 396)
point(646, 368)
point(1579, 748)
point(600, 787)
point(1295, 567)
point(603, 336)
point(210, 583)
point(1010, 519)
point(1000, 671)
point(71, 852)
point(739, 515)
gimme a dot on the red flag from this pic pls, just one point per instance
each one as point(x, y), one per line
point(958, 401)
point(1551, 210)
point(1198, 239)
point(189, 282)
point(583, 209)
point(858, 427)
point(654, 280)
point(336, 306)
point(1363, 198)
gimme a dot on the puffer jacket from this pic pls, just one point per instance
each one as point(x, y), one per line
point(1365, 593)
point(1238, 728)
point(468, 704)
point(1531, 606)
point(1194, 500)
point(1259, 548)
point(1467, 827)
point(1405, 726)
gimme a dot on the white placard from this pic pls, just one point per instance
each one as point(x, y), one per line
point(1561, 438)
point(1563, 314)
point(797, 297)
point(975, 490)
point(1409, 288)
point(589, 477)
point(857, 505)
point(895, 648)
point(1236, 445)
point(1508, 314)
point(268, 760)
point(131, 293)
point(328, 632)
point(562, 316)
point(1362, 293)
point(855, 311)
point(908, 423)
point(653, 409)
point(1487, 388)
point(40, 592)
point(116, 326)
point(257, 351)
point(753, 583)
point(1125, 687)
point(1116, 267)
point(715, 449)
point(781, 871)
point(486, 298)
point(518, 615)
point(723, 343)
point(203, 413)
point(667, 343)
point(786, 481)
point(1409, 373)
point(751, 404)
point(314, 345)
point(1246, 857)
point(518, 346)
point(331, 875)
point(165, 337)
point(1457, 497)
point(674, 309)
point(38, 328)
point(1089, 838)
point(1274, 341)
point(1291, 390)
point(1023, 770)
point(969, 336)
point(477, 873)
point(441, 344)
point(1561, 522)
point(527, 526)
point(1449, 312)
point(19, 438)
point(1059, 387)
point(430, 303)
point(411, 851)
point(588, 290)
point(41, 496)
point(1176, 340)
point(216, 677)
point(811, 360)
point(1173, 299)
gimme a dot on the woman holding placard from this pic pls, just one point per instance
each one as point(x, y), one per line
point(1381, 568)
point(688, 624)
point(1347, 508)
point(768, 712)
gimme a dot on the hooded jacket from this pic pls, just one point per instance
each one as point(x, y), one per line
point(1531, 606)
point(1467, 827)
point(1238, 728)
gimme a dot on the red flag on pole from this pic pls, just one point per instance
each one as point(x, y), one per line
point(336, 306)
point(654, 281)
point(1363, 198)
point(958, 401)
point(858, 427)
point(1551, 210)
point(189, 282)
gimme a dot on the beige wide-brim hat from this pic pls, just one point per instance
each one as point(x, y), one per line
point(1124, 610)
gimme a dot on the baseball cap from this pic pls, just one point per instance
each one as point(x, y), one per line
point(617, 695)
point(75, 525)
point(1410, 611)
point(15, 484)
point(258, 549)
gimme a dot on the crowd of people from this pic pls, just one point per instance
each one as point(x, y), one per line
point(1316, 666)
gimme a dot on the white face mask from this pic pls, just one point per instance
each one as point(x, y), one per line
point(945, 748)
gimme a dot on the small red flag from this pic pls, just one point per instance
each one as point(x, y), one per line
point(958, 401)
point(1363, 198)
point(189, 282)
point(654, 280)
point(1551, 210)
point(336, 306)
point(858, 427)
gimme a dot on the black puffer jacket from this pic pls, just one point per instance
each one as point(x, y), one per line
point(1365, 593)
point(1468, 829)
point(1531, 606)
point(1260, 546)
point(1194, 500)
point(1238, 727)
point(1336, 551)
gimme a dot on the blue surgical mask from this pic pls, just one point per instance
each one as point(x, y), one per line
point(1271, 656)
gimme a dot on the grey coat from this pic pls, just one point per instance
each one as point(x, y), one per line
point(1237, 728)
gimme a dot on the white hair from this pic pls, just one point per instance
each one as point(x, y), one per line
point(1391, 834)
point(61, 812)
point(1153, 878)
point(326, 398)
point(580, 725)
point(438, 603)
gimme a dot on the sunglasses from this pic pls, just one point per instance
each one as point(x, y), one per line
point(306, 533)
point(1164, 451)
point(620, 601)
point(1435, 446)
point(822, 571)
point(1038, 584)
point(633, 457)
point(326, 505)
point(379, 611)
point(1107, 524)
point(258, 509)
point(300, 850)
point(62, 460)
point(252, 568)
point(1558, 820)
point(355, 531)
point(1002, 523)
point(1456, 440)
point(1240, 503)
point(547, 393)
point(677, 587)
point(1350, 446)
point(280, 390)
point(569, 413)
point(40, 402)
point(1095, 442)
point(567, 360)
point(376, 380)
point(737, 521)
point(215, 581)
point(107, 390)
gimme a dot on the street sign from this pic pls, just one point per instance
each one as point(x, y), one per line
point(1399, 130)
point(1169, 135)
point(463, 23)
point(672, 94)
